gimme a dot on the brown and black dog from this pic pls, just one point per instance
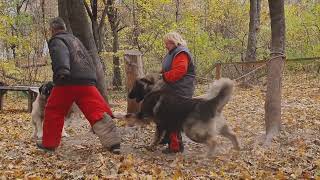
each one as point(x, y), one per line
point(200, 118)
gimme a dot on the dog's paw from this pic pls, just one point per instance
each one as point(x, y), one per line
point(65, 135)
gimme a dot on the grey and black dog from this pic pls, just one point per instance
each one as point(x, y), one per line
point(200, 118)
point(38, 107)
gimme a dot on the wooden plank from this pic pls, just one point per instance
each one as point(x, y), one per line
point(15, 88)
point(34, 89)
point(18, 88)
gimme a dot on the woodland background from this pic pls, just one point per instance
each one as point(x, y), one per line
point(216, 31)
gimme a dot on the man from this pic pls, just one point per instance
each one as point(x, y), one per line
point(75, 79)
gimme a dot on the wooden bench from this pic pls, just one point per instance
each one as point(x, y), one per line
point(31, 91)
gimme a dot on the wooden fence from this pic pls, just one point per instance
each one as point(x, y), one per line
point(218, 65)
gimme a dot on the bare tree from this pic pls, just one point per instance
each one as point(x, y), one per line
point(255, 6)
point(178, 8)
point(136, 31)
point(253, 30)
point(114, 21)
point(275, 69)
point(98, 26)
point(74, 14)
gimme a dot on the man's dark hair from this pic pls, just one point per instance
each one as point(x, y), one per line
point(57, 23)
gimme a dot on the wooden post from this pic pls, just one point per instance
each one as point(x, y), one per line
point(1, 99)
point(218, 70)
point(134, 70)
point(29, 101)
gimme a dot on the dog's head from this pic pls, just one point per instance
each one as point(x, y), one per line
point(142, 87)
point(45, 89)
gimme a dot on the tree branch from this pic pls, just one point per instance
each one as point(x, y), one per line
point(19, 6)
point(88, 10)
point(103, 16)
point(119, 29)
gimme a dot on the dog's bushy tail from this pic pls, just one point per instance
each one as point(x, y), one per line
point(220, 92)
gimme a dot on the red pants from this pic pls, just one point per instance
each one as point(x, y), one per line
point(88, 99)
point(174, 144)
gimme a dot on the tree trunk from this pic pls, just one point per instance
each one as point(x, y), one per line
point(116, 62)
point(134, 70)
point(178, 13)
point(64, 14)
point(252, 37)
point(74, 14)
point(135, 32)
point(253, 29)
point(275, 69)
point(112, 14)
point(97, 28)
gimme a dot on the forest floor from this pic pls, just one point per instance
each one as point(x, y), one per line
point(294, 154)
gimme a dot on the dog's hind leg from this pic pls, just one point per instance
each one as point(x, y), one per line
point(64, 133)
point(158, 136)
point(228, 133)
point(212, 144)
point(35, 130)
point(38, 128)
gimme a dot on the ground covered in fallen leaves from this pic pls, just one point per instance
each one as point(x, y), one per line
point(294, 154)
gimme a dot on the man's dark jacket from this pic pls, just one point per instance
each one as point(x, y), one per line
point(71, 62)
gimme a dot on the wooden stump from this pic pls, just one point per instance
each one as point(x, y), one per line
point(134, 70)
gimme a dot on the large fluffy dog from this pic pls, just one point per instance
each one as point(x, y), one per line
point(200, 119)
point(38, 106)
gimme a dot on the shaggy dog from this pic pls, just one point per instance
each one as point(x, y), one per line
point(200, 119)
point(38, 106)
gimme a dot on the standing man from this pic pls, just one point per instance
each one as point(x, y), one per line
point(75, 78)
point(178, 72)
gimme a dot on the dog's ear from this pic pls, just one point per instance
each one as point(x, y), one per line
point(50, 86)
point(138, 91)
point(41, 89)
point(133, 93)
point(139, 99)
point(46, 88)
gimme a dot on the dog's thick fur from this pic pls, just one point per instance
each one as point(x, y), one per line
point(143, 86)
point(200, 119)
point(38, 107)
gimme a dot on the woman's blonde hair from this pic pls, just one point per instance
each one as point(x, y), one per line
point(176, 38)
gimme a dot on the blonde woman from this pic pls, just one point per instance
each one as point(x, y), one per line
point(178, 72)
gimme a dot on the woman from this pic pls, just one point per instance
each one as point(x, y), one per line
point(178, 72)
